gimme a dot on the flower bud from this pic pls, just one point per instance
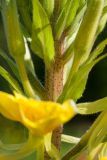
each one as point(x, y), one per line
point(87, 32)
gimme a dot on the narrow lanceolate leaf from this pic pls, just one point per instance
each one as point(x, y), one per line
point(13, 83)
point(72, 13)
point(99, 133)
point(49, 6)
point(12, 28)
point(10, 63)
point(103, 21)
point(103, 152)
point(93, 107)
point(89, 26)
point(37, 86)
point(78, 82)
point(68, 54)
point(24, 9)
point(77, 20)
point(62, 4)
point(66, 17)
point(42, 38)
point(97, 51)
point(82, 84)
point(81, 3)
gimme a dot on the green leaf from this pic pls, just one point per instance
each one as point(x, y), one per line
point(36, 85)
point(13, 83)
point(103, 151)
point(62, 4)
point(69, 139)
point(39, 89)
point(11, 64)
point(24, 8)
point(74, 153)
point(78, 82)
point(66, 17)
point(94, 153)
point(67, 68)
point(68, 54)
point(42, 39)
point(80, 79)
point(93, 107)
point(103, 20)
point(72, 13)
point(71, 31)
point(76, 22)
point(97, 51)
point(93, 56)
point(49, 6)
point(99, 133)
point(15, 39)
point(81, 3)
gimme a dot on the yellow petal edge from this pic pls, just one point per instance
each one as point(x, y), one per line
point(103, 158)
point(40, 117)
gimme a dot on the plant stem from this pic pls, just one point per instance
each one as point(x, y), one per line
point(25, 81)
point(54, 86)
point(40, 152)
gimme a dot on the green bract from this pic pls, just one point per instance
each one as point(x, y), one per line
point(66, 17)
point(49, 6)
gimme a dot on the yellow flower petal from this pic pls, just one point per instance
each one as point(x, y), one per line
point(40, 117)
point(8, 106)
point(103, 158)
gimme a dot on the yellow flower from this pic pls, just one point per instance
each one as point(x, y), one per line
point(40, 117)
point(103, 158)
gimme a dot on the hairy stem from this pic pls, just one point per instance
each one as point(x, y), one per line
point(54, 86)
